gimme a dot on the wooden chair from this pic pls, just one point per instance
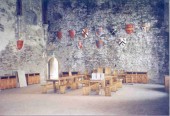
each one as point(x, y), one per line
point(47, 86)
point(115, 72)
point(107, 70)
point(99, 70)
point(107, 91)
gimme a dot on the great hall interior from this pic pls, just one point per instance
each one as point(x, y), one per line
point(84, 57)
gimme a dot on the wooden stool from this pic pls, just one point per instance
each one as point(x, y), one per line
point(62, 89)
point(57, 86)
point(46, 86)
point(119, 83)
point(74, 86)
point(95, 87)
point(85, 83)
point(86, 90)
point(107, 91)
point(44, 89)
point(77, 85)
point(101, 92)
point(114, 88)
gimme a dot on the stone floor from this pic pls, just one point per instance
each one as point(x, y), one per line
point(132, 99)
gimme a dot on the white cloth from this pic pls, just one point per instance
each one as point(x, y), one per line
point(102, 76)
point(94, 76)
point(98, 76)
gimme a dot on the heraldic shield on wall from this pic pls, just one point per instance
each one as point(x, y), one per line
point(72, 33)
point(112, 30)
point(99, 43)
point(85, 32)
point(59, 34)
point(129, 28)
point(20, 44)
point(80, 45)
point(146, 26)
point(99, 31)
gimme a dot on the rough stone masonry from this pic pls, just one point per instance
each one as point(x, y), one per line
point(142, 51)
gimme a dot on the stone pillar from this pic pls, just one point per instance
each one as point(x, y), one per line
point(44, 73)
point(45, 27)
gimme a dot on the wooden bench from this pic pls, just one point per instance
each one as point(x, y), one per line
point(107, 86)
point(88, 89)
point(62, 83)
point(136, 77)
point(47, 86)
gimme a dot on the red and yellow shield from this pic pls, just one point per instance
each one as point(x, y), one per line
point(129, 28)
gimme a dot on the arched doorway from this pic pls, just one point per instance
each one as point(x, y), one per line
point(53, 68)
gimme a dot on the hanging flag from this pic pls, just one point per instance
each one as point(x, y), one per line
point(59, 35)
point(85, 32)
point(72, 33)
point(20, 44)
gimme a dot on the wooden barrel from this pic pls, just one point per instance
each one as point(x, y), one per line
point(20, 44)
point(129, 28)
point(72, 33)
point(59, 35)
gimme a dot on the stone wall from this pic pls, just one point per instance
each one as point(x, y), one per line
point(30, 57)
point(143, 51)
